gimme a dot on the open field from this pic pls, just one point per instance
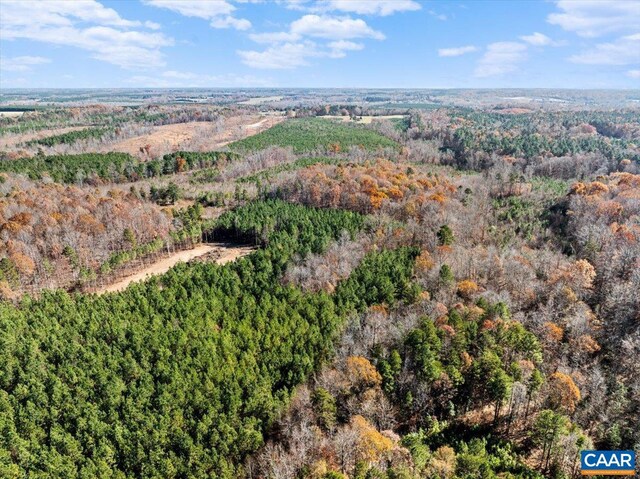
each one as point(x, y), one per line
point(260, 100)
point(11, 114)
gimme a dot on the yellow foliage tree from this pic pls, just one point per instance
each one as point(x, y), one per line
point(371, 444)
point(564, 394)
point(467, 288)
point(439, 197)
point(361, 373)
point(424, 261)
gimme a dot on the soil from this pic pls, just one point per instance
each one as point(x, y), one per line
point(167, 138)
point(221, 253)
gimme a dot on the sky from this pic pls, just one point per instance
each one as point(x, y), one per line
point(320, 43)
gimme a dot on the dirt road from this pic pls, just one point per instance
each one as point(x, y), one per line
point(220, 253)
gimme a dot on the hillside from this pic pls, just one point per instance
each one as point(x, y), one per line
point(448, 294)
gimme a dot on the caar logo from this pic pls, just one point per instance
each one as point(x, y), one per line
point(608, 463)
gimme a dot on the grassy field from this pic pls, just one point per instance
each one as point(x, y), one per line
point(308, 134)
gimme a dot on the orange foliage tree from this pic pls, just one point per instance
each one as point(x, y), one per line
point(366, 187)
point(564, 395)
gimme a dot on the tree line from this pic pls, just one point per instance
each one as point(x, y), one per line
point(110, 167)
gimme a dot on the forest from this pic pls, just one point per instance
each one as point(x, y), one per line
point(309, 134)
point(139, 361)
point(449, 294)
point(71, 137)
point(113, 167)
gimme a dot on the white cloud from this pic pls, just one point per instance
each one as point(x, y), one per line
point(456, 51)
point(84, 24)
point(537, 39)
point(56, 12)
point(294, 48)
point(439, 16)
point(340, 47)
point(218, 12)
point(500, 58)
point(622, 51)
point(286, 56)
point(21, 64)
point(334, 28)
point(346, 45)
point(320, 34)
point(197, 8)
point(172, 78)
point(294, 4)
point(589, 18)
point(274, 37)
point(179, 75)
point(327, 27)
point(282, 56)
point(368, 7)
point(633, 74)
point(226, 22)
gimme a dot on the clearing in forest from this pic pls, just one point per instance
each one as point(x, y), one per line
point(221, 253)
point(364, 120)
point(14, 139)
point(194, 135)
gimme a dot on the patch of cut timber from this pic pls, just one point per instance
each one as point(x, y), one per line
point(13, 139)
point(193, 135)
point(220, 253)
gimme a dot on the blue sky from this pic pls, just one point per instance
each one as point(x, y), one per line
point(320, 43)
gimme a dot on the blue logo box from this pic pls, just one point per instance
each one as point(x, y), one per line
point(608, 463)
